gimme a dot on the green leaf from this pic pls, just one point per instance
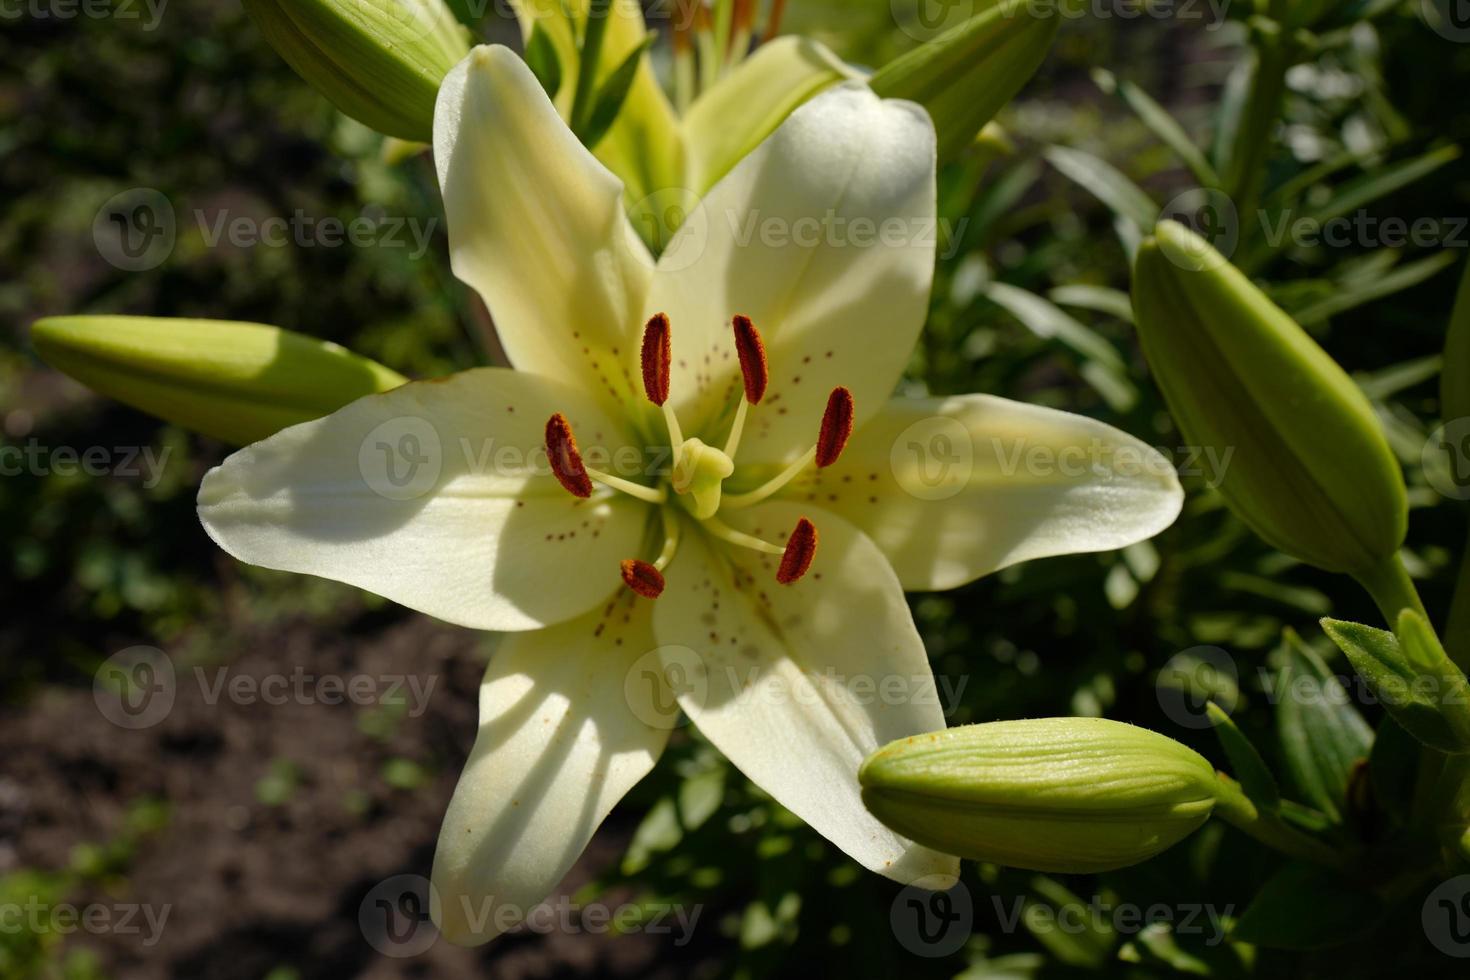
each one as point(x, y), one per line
point(1105, 370)
point(542, 59)
point(1455, 382)
point(1099, 299)
point(964, 76)
point(1250, 769)
point(1163, 125)
point(613, 94)
point(1412, 678)
point(1393, 767)
point(1106, 183)
point(1356, 291)
point(1305, 907)
point(1322, 734)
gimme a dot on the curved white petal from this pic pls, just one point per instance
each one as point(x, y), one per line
point(798, 684)
point(563, 736)
point(536, 225)
point(741, 108)
point(436, 495)
point(955, 488)
point(824, 236)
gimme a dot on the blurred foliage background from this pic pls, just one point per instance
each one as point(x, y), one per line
point(246, 820)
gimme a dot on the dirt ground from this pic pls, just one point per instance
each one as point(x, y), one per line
point(250, 884)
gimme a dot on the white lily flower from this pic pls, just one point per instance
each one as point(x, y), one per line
point(735, 531)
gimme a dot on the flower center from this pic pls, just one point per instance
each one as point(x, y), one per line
point(700, 470)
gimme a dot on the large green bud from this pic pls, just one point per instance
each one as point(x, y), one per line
point(379, 61)
point(964, 76)
point(1309, 468)
point(237, 382)
point(1048, 794)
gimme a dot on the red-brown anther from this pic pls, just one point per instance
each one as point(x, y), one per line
point(836, 427)
point(642, 578)
point(752, 359)
point(566, 462)
point(801, 548)
point(657, 353)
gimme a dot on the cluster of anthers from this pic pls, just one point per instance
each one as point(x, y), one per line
point(699, 470)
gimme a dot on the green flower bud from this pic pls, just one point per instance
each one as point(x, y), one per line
point(238, 382)
point(379, 61)
point(1048, 794)
point(1309, 468)
point(964, 76)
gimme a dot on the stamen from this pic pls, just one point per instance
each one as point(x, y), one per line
point(752, 359)
point(642, 578)
point(801, 548)
point(836, 427)
point(566, 462)
point(725, 532)
point(576, 476)
point(657, 354)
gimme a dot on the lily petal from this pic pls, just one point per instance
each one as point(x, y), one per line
point(436, 495)
point(797, 684)
point(563, 736)
point(824, 236)
point(536, 225)
point(955, 488)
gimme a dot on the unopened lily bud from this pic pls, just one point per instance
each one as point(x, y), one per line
point(1047, 794)
point(379, 61)
point(238, 382)
point(964, 76)
point(1310, 470)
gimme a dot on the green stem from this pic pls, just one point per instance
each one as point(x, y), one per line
point(1392, 589)
point(1245, 176)
point(598, 12)
point(1266, 827)
point(1457, 629)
